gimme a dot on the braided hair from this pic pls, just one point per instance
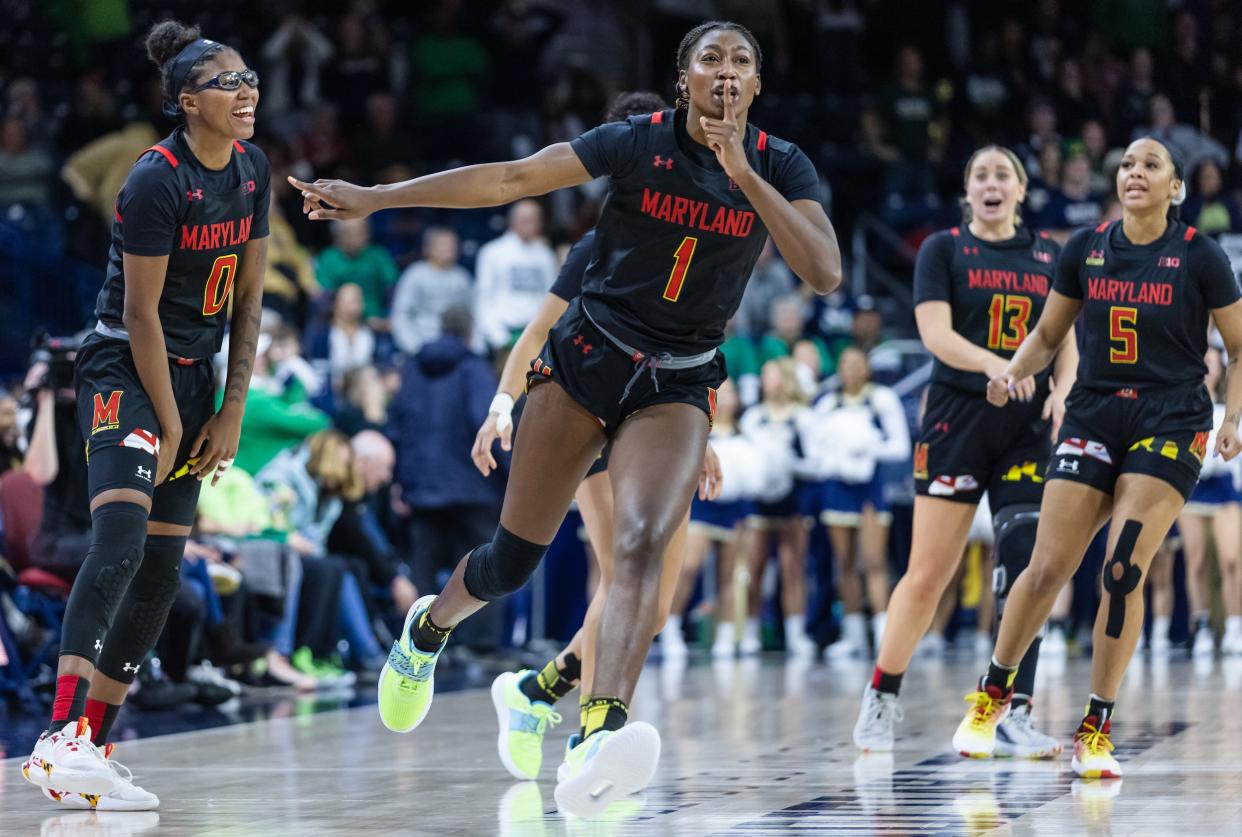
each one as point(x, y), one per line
point(692, 38)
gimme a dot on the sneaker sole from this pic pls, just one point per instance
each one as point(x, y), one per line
point(623, 766)
point(72, 781)
point(1003, 751)
point(387, 672)
point(502, 722)
point(1094, 774)
point(80, 802)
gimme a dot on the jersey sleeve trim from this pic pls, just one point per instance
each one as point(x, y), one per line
point(762, 143)
point(1190, 233)
point(657, 118)
point(240, 148)
point(168, 155)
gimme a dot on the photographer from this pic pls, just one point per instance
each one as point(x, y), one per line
point(56, 460)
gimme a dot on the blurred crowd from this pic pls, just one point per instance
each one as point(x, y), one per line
point(353, 488)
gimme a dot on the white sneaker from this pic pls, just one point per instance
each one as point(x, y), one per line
point(873, 731)
point(932, 645)
point(1016, 737)
point(1160, 643)
point(724, 646)
point(984, 645)
point(126, 796)
point(1231, 643)
point(879, 622)
point(673, 645)
point(606, 767)
point(1205, 643)
point(751, 644)
point(68, 761)
point(207, 674)
point(844, 649)
point(1054, 644)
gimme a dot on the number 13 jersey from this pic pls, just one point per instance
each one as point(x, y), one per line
point(172, 205)
point(677, 239)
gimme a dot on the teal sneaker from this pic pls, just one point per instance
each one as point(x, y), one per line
point(523, 723)
point(606, 767)
point(407, 681)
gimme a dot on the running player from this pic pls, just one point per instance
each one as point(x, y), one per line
point(978, 289)
point(1216, 503)
point(1134, 435)
point(694, 192)
point(190, 231)
point(524, 699)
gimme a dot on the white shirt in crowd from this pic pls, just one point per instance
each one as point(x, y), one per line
point(511, 276)
point(774, 431)
point(424, 292)
point(346, 353)
point(844, 437)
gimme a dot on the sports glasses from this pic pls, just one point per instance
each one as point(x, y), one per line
point(229, 80)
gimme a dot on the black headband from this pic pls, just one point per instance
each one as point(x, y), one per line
point(1179, 167)
point(182, 65)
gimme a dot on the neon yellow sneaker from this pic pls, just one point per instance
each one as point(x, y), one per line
point(523, 723)
point(1093, 750)
point(976, 734)
point(606, 767)
point(407, 681)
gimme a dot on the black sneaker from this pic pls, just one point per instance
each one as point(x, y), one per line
point(156, 691)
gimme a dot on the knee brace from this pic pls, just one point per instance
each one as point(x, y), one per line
point(498, 568)
point(1014, 528)
point(118, 536)
point(1121, 577)
point(145, 608)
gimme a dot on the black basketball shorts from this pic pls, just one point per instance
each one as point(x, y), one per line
point(596, 373)
point(1159, 432)
point(122, 435)
point(967, 447)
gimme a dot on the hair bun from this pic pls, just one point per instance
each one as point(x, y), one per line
point(167, 38)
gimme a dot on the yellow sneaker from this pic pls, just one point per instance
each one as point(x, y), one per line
point(1093, 751)
point(407, 681)
point(976, 734)
point(522, 723)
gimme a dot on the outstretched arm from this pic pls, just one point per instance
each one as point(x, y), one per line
point(489, 184)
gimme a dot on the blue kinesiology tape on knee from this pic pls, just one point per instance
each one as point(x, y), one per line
point(1121, 577)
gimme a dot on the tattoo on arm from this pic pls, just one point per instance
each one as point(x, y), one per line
point(247, 316)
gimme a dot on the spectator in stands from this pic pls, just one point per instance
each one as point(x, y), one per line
point(92, 114)
point(25, 105)
point(365, 402)
point(289, 285)
point(384, 149)
point(1045, 180)
point(512, 275)
point(361, 66)
point(348, 342)
point(1209, 207)
point(279, 414)
point(97, 170)
point(358, 532)
point(451, 68)
point(427, 289)
point(1071, 102)
point(1094, 144)
point(354, 259)
point(867, 328)
point(10, 433)
point(446, 391)
point(1193, 145)
point(788, 326)
point(770, 281)
point(25, 171)
point(292, 58)
point(1041, 118)
point(1073, 204)
point(913, 124)
point(1131, 106)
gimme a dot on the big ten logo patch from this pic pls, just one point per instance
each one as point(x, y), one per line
point(1027, 471)
point(920, 461)
point(106, 414)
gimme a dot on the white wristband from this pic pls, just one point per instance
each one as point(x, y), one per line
point(502, 406)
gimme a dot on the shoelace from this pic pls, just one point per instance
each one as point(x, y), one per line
point(1021, 719)
point(537, 723)
point(1094, 739)
point(889, 707)
point(985, 704)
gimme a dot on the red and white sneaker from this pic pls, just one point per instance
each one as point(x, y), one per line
point(126, 796)
point(69, 762)
point(1093, 750)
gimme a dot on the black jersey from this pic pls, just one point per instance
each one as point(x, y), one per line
point(1145, 306)
point(568, 284)
point(172, 205)
point(996, 290)
point(677, 239)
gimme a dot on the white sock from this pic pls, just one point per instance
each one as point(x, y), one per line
point(1160, 627)
point(672, 625)
point(878, 622)
point(726, 634)
point(1233, 625)
point(751, 629)
point(854, 628)
point(795, 629)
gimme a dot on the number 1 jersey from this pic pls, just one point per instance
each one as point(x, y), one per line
point(172, 205)
point(677, 239)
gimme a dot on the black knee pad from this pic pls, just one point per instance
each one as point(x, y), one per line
point(118, 536)
point(1014, 528)
point(145, 608)
point(498, 568)
point(1121, 577)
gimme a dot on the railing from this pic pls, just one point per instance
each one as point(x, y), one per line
point(869, 275)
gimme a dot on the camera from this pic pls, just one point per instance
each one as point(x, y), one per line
point(59, 354)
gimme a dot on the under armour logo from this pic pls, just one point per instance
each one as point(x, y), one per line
point(144, 473)
point(970, 251)
point(98, 645)
point(581, 343)
point(665, 163)
point(194, 194)
point(1068, 466)
point(128, 667)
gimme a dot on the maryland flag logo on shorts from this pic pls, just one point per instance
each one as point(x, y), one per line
point(143, 440)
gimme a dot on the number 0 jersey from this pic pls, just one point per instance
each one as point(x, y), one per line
point(677, 239)
point(1145, 306)
point(172, 205)
point(995, 289)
